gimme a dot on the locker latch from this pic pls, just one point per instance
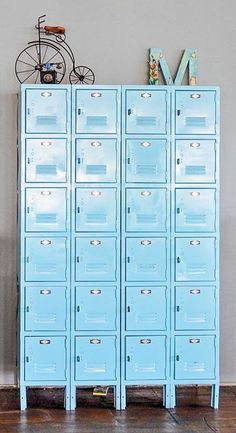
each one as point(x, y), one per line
point(145, 341)
point(130, 111)
point(194, 340)
point(178, 112)
point(95, 341)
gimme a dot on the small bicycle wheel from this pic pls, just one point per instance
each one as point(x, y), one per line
point(81, 75)
point(29, 65)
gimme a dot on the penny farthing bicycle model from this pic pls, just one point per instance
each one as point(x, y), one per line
point(42, 61)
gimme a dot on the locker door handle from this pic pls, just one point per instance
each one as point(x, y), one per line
point(79, 111)
point(178, 161)
point(27, 309)
point(28, 160)
point(178, 112)
point(177, 308)
point(27, 359)
point(128, 309)
point(178, 260)
point(128, 358)
point(78, 358)
point(128, 209)
point(128, 161)
point(78, 209)
point(28, 111)
point(78, 309)
point(27, 259)
point(178, 210)
point(78, 160)
point(28, 209)
point(77, 259)
point(128, 259)
point(177, 357)
point(130, 111)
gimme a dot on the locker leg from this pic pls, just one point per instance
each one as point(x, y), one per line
point(215, 396)
point(23, 397)
point(166, 396)
point(73, 398)
point(67, 403)
point(172, 396)
point(117, 399)
point(123, 397)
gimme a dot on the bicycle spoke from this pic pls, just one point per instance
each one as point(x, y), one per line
point(23, 72)
point(52, 57)
point(31, 56)
point(36, 79)
point(28, 76)
point(37, 52)
point(29, 64)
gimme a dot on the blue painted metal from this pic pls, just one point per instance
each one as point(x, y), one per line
point(119, 238)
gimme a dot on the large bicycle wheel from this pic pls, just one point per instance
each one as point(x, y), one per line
point(28, 65)
point(81, 75)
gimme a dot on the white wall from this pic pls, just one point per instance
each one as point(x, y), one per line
point(113, 37)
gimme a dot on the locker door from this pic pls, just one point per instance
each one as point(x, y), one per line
point(195, 259)
point(96, 209)
point(195, 210)
point(95, 308)
point(96, 160)
point(195, 112)
point(95, 358)
point(146, 210)
point(145, 259)
point(96, 111)
point(146, 308)
point(146, 112)
point(46, 160)
point(146, 358)
point(195, 308)
point(45, 308)
point(45, 209)
point(45, 358)
point(96, 259)
point(195, 161)
point(46, 111)
point(45, 259)
point(195, 357)
point(146, 161)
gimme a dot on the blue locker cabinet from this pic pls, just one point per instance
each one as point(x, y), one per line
point(118, 218)
point(44, 234)
point(95, 239)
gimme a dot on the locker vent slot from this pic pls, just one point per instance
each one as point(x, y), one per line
point(44, 267)
point(96, 120)
point(46, 169)
point(45, 368)
point(150, 267)
point(145, 368)
point(195, 170)
point(192, 218)
point(146, 120)
point(46, 218)
point(195, 366)
point(146, 318)
point(198, 122)
point(195, 318)
point(96, 318)
point(146, 219)
point(197, 268)
point(146, 169)
point(45, 318)
point(93, 218)
point(46, 120)
point(96, 267)
point(95, 368)
point(96, 169)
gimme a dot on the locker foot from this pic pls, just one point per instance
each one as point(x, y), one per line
point(67, 403)
point(73, 398)
point(215, 396)
point(172, 399)
point(23, 397)
point(117, 398)
point(123, 398)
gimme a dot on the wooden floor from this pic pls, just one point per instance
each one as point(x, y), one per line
point(144, 413)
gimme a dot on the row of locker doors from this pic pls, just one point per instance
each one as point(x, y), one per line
point(145, 308)
point(97, 111)
point(96, 358)
point(96, 209)
point(97, 160)
point(96, 259)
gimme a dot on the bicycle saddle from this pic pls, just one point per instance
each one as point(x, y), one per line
point(55, 29)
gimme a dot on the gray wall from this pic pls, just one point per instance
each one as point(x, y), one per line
point(113, 37)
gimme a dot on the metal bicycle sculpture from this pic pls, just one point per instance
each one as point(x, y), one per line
point(42, 61)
